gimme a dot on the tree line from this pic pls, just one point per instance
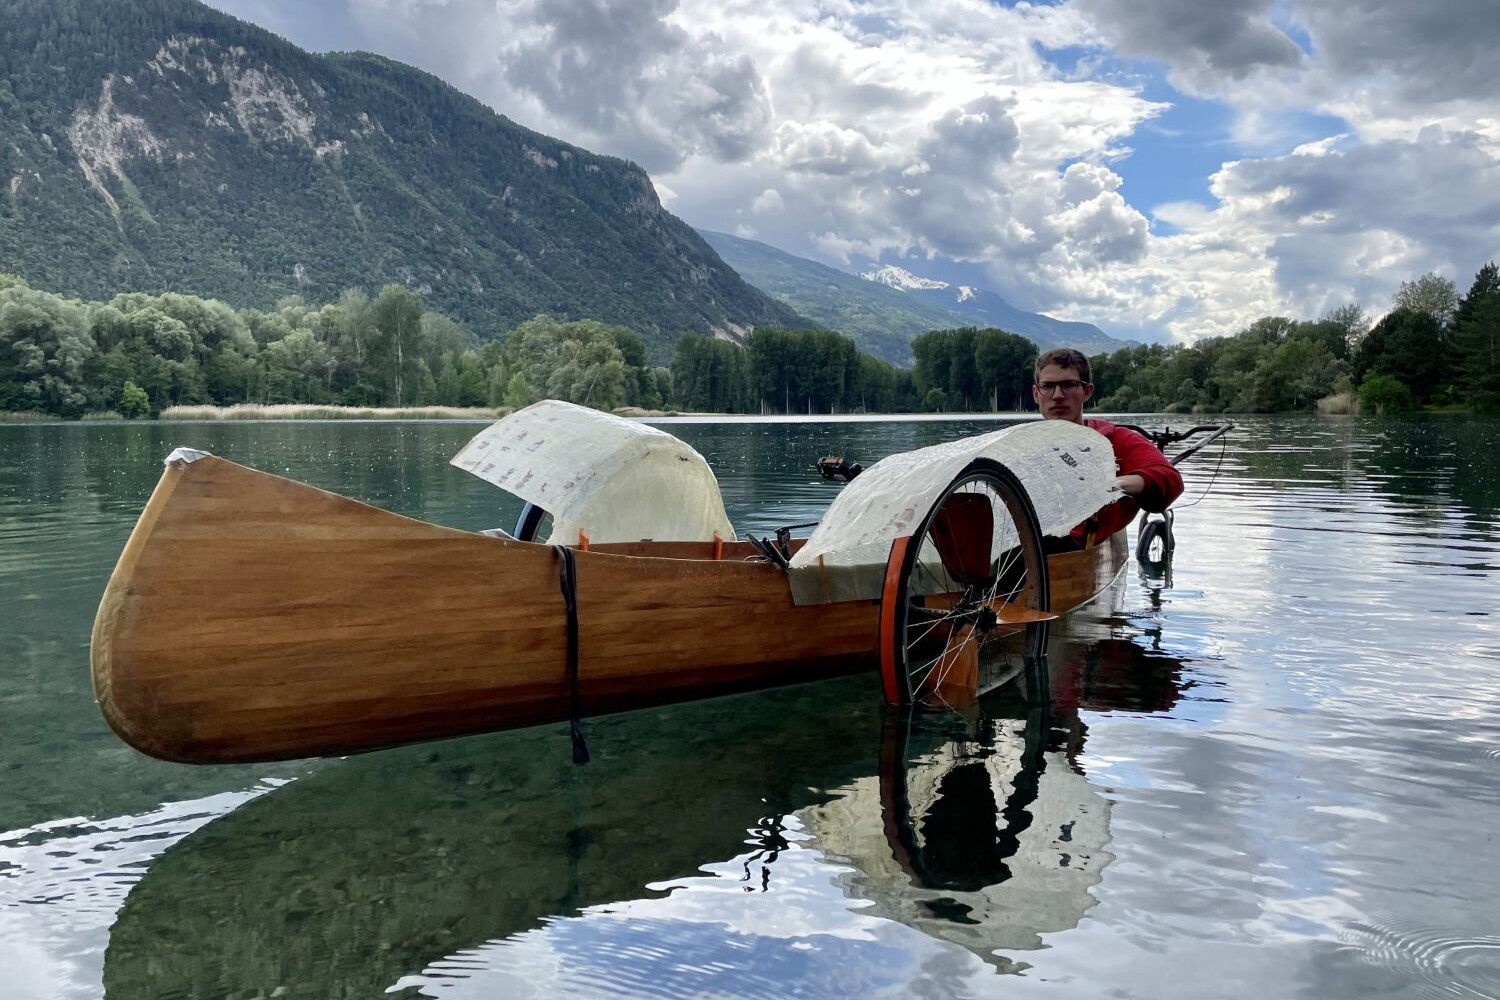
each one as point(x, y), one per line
point(139, 353)
point(1434, 348)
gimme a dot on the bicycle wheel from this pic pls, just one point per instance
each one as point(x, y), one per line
point(1154, 545)
point(966, 598)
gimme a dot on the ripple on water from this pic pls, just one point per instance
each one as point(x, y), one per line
point(1439, 962)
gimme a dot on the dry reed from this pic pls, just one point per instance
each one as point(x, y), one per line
point(1338, 404)
point(305, 411)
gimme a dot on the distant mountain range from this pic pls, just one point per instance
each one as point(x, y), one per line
point(160, 145)
point(884, 309)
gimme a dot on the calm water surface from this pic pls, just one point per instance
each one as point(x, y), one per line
point(1273, 772)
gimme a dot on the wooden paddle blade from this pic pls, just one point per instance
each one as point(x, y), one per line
point(963, 529)
point(1013, 613)
point(955, 678)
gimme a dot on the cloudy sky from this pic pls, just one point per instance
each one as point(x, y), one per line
point(1164, 168)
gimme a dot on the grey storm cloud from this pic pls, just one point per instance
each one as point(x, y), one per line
point(974, 139)
point(1213, 37)
point(1431, 52)
point(619, 69)
point(1441, 184)
point(1440, 195)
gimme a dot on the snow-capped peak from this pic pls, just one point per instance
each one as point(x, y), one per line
point(965, 293)
point(900, 278)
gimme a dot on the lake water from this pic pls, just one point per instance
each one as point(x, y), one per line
point(1273, 773)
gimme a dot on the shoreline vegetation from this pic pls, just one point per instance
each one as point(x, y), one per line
point(298, 411)
point(179, 357)
point(302, 411)
point(1339, 405)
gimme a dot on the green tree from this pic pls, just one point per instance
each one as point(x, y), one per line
point(396, 316)
point(518, 392)
point(472, 383)
point(1353, 321)
point(44, 347)
point(305, 361)
point(1382, 394)
point(1408, 345)
point(134, 403)
point(1431, 294)
point(1476, 339)
point(1003, 365)
point(590, 372)
point(711, 375)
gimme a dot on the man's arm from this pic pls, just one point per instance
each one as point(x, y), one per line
point(1146, 475)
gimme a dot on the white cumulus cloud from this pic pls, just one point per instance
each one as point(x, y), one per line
point(1361, 147)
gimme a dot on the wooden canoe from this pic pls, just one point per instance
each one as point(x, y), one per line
point(255, 618)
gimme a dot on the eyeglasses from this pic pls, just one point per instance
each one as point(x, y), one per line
point(1068, 385)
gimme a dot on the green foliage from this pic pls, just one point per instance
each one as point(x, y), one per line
point(1003, 363)
point(1410, 346)
point(1431, 294)
point(710, 375)
point(134, 403)
point(519, 393)
point(1476, 341)
point(44, 349)
point(1277, 364)
point(66, 357)
point(973, 369)
point(1385, 394)
point(782, 371)
point(63, 357)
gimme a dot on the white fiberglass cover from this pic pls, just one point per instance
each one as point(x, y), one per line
point(1067, 469)
point(617, 480)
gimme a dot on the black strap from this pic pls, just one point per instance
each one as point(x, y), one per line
point(568, 580)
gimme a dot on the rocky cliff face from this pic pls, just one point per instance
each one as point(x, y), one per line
point(162, 145)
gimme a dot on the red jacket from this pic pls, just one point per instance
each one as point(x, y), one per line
point(1136, 455)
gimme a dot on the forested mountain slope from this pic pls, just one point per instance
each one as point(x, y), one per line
point(161, 145)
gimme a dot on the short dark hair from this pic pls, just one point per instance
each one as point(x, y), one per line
point(1065, 357)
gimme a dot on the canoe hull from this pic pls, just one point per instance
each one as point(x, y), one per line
point(255, 618)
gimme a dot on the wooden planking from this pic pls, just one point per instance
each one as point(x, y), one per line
point(292, 622)
point(219, 612)
point(251, 617)
point(1077, 577)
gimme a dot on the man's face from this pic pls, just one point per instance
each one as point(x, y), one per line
point(1060, 393)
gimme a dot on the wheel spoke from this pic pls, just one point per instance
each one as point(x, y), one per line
point(949, 621)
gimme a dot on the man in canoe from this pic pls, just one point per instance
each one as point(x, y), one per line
point(1149, 481)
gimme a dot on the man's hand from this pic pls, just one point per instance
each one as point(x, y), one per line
point(1131, 485)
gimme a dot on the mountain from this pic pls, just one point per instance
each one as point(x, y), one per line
point(985, 308)
point(162, 145)
point(882, 321)
point(883, 316)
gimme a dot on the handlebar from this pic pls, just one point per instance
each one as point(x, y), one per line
point(1167, 436)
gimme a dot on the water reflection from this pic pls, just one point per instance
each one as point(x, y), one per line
point(492, 859)
point(1277, 737)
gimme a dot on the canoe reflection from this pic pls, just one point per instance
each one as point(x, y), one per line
point(981, 831)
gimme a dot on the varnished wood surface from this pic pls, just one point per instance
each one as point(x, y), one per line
point(251, 617)
point(1078, 577)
